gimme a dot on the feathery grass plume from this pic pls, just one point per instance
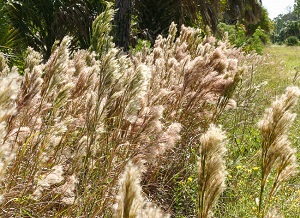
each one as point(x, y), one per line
point(242, 120)
point(4, 69)
point(193, 78)
point(152, 211)
point(129, 199)
point(277, 154)
point(101, 40)
point(130, 202)
point(46, 128)
point(54, 177)
point(195, 72)
point(9, 88)
point(93, 111)
point(113, 109)
point(211, 169)
point(165, 140)
point(33, 58)
point(32, 81)
point(139, 88)
point(67, 190)
point(55, 68)
point(31, 85)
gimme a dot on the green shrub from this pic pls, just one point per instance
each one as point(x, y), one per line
point(292, 41)
point(257, 41)
point(141, 44)
point(237, 36)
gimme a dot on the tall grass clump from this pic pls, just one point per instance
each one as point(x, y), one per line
point(194, 79)
point(100, 133)
point(277, 154)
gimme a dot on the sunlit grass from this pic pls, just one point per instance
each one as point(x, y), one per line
point(277, 69)
point(289, 55)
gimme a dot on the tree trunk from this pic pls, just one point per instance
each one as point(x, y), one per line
point(122, 23)
point(209, 11)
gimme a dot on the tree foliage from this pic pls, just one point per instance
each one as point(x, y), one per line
point(7, 33)
point(154, 17)
point(41, 22)
point(287, 25)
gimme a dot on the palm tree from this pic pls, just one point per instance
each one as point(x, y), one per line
point(210, 13)
point(7, 33)
point(9, 37)
point(122, 21)
point(155, 16)
point(41, 22)
point(248, 11)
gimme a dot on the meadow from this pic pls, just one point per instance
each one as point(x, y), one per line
point(270, 77)
point(192, 127)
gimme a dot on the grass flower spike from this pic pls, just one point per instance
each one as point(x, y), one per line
point(130, 201)
point(211, 169)
point(277, 153)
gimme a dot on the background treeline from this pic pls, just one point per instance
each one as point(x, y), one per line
point(39, 24)
point(287, 26)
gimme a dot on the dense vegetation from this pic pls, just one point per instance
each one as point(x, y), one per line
point(39, 24)
point(183, 124)
point(287, 26)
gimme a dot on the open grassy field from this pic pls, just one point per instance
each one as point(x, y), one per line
point(280, 66)
point(287, 55)
point(285, 73)
point(270, 77)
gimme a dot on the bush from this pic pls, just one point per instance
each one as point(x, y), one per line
point(292, 41)
point(237, 36)
point(257, 41)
